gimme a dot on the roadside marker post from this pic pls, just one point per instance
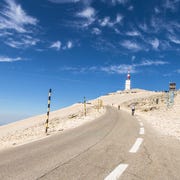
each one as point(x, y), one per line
point(85, 111)
point(98, 105)
point(48, 110)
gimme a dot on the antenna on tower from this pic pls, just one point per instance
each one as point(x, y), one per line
point(128, 75)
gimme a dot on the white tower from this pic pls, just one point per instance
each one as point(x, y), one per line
point(128, 82)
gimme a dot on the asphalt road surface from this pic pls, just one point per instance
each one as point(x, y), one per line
point(115, 146)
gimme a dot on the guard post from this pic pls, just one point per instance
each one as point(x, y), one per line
point(48, 111)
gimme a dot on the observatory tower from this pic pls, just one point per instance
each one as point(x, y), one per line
point(128, 82)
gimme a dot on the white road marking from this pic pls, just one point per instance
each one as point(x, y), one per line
point(136, 145)
point(141, 124)
point(117, 172)
point(141, 131)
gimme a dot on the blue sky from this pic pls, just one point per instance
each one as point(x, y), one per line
point(83, 48)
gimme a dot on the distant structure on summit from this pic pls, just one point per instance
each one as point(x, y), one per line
point(128, 82)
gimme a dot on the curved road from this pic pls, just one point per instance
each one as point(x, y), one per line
point(115, 146)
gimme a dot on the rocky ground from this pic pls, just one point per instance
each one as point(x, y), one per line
point(159, 112)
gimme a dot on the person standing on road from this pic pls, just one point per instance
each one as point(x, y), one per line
point(133, 109)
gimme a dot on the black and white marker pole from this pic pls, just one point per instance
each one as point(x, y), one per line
point(48, 110)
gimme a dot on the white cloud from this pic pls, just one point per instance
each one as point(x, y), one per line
point(96, 31)
point(171, 4)
point(117, 31)
point(5, 34)
point(131, 45)
point(133, 33)
point(89, 15)
point(133, 58)
point(8, 59)
point(56, 45)
point(118, 69)
point(119, 2)
point(115, 69)
point(157, 10)
point(23, 42)
point(16, 26)
point(106, 21)
point(119, 18)
point(178, 71)
point(13, 17)
point(130, 8)
point(151, 63)
point(85, 2)
point(143, 27)
point(69, 44)
point(154, 43)
point(64, 1)
point(123, 68)
point(174, 39)
point(78, 69)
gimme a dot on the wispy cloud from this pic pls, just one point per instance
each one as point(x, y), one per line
point(154, 43)
point(79, 69)
point(119, 18)
point(174, 39)
point(96, 31)
point(123, 68)
point(64, 1)
point(23, 42)
point(56, 45)
point(143, 27)
point(13, 17)
point(16, 26)
point(131, 45)
point(8, 59)
point(171, 4)
point(113, 69)
point(106, 21)
point(152, 63)
point(69, 44)
point(88, 14)
point(157, 10)
point(116, 69)
point(133, 33)
point(119, 2)
point(130, 8)
point(133, 58)
point(85, 2)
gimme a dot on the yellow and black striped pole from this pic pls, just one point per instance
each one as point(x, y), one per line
point(48, 110)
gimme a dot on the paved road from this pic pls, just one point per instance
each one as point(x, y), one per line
point(93, 151)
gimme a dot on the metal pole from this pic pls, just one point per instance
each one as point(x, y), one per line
point(48, 110)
